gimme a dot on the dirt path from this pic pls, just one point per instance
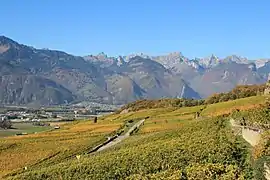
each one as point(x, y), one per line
point(121, 138)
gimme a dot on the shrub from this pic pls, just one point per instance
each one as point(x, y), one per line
point(5, 124)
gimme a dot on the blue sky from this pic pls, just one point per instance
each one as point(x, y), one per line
point(197, 28)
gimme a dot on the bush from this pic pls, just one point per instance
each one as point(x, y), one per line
point(5, 124)
point(241, 91)
point(160, 103)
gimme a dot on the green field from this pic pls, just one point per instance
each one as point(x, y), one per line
point(23, 128)
point(171, 144)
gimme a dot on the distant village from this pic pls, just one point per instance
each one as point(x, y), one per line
point(50, 114)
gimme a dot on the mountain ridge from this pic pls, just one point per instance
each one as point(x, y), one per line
point(119, 80)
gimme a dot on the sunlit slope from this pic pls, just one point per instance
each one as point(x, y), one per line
point(169, 144)
point(229, 106)
point(193, 151)
point(172, 117)
point(54, 146)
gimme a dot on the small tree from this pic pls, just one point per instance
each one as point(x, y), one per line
point(5, 124)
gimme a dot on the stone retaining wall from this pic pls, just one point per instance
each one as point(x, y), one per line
point(251, 136)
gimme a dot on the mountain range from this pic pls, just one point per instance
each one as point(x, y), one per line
point(49, 77)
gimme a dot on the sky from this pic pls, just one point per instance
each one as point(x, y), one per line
point(197, 28)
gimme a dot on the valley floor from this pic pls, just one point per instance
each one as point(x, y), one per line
point(23, 128)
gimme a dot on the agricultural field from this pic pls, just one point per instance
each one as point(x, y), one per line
point(259, 119)
point(28, 128)
point(17, 152)
point(171, 144)
point(199, 149)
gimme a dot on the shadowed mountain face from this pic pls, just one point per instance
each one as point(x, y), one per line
point(29, 89)
point(42, 76)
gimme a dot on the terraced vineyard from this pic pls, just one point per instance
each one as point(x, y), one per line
point(171, 144)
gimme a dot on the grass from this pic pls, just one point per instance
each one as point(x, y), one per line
point(23, 128)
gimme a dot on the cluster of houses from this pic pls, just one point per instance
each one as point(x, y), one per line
point(42, 113)
point(65, 113)
point(23, 116)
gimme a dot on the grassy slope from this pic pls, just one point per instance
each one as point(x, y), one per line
point(163, 147)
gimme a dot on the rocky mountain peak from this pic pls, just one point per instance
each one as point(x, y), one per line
point(120, 61)
point(209, 62)
point(128, 57)
point(102, 56)
point(170, 59)
point(175, 54)
point(237, 59)
point(6, 40)
point(214, 59)
point(104, 79)
point(6, 44)
point(261, 62)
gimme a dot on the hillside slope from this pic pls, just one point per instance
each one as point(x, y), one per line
point(171, 143)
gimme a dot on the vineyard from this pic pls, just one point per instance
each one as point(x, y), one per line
point(171, 144)
point(204, 149)
point(259, 119)
point(239, 92)
point(51, 147)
